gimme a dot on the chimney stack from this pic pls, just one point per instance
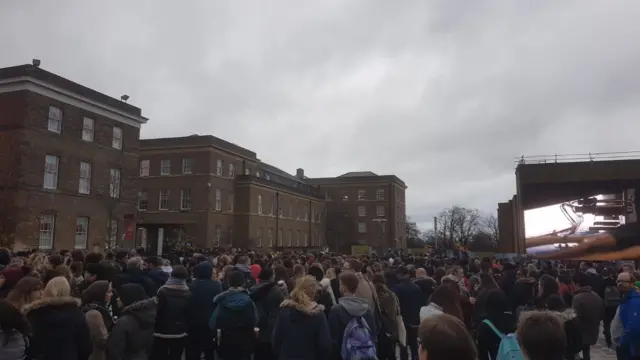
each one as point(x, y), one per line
point(35, 62)
point(300, 174)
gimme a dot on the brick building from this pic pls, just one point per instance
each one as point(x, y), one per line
point(208, 192)
point(363, 208)
point(68, 162)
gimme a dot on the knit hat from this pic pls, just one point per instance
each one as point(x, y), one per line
point(255, 270)
point(131, 293)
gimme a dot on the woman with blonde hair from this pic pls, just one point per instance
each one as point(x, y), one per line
point(302, 330)
point(60, 330)
point(26, 291)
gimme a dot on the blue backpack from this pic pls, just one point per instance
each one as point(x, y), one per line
point(357, 341)
point(509, 348)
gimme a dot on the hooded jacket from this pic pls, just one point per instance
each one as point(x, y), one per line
point(572, 332)
point(132, 335)
point(347, 308)
point(267, 298)
point(234, 299)
point(301, 332)
point(60, 331)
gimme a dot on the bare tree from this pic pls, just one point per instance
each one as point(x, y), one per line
point(457, 225)
point(111, 201)
point(490, 227)
point(413, 235)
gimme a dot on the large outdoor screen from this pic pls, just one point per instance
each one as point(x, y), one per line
point(598, 227)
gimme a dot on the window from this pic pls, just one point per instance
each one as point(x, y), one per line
point(361, 195)
point(327, 195)
point(185, 199)
point(218, 199)
point(305, 214)
point(273, 202)
point(312, 214)
point(362, 211)
point(113, 237)
point(55, 120)
point(305, 239)
point(47, 230)
point(163, 200)
point(116, 142)
point(230, 234)
point(383, 227)
point(87, 129)
point(344, 211)
point(259, 237)
point(313, 239)
point(380, 210)
point(51, 172)
point(232, 170)
point(280, 237)
point(143, 201)
point(187, 166)
point(247, 171)
point(267, 176)
point(259, 204)
point(290, 238)
point(144, 168)
point(380, 195)
point(230, 202)
point(344, 196)
point(165, 167)
point(270, 237)
point(362, 227)
point(84, 184)
point(298, 238)
point(219, 168)
point(257, 173)
point(218, 236)
point(82, 232)
point(114, 183)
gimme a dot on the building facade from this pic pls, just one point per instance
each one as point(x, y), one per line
point(68, 162)
point(205, 192)
point(363, 208)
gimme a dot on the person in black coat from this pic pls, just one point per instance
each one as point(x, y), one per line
point(267, 297)
point(410, 299)
point(135, 275)
point(203, 290)
point(497, 310)
point(170, 331)
point(60, 331)
point(301, 331)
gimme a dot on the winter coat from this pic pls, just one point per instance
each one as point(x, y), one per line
point(301, 332)
point(348, 307)
point(15, 348)
point(487, 339)
point(203, 291)
point(173, 311)
point(135, 276)
point(60, 330)
point(410, 297)
point(590, 310)
point(267, 297)
point(427, 286)
point(99, 334)
point(572, 333)
point(158, 276)
point(132, 334)
point(389, 309)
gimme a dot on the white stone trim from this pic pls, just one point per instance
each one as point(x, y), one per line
point(40, 87)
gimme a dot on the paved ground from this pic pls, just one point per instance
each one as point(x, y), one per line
point(600, 351)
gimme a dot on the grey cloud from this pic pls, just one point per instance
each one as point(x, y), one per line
point(443, 93)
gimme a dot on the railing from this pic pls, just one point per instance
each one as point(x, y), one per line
point(562, 158)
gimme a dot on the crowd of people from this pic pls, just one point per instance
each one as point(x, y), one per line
point(292, 306)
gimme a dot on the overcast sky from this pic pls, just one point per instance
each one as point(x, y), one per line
point(442, 93)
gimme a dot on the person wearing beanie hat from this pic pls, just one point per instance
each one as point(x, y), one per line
point(255, 271)
point(170, 328)
point(132, 334)
point(203, 290)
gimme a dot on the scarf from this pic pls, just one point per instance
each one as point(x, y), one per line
point(104, 310)
point(175, 281)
